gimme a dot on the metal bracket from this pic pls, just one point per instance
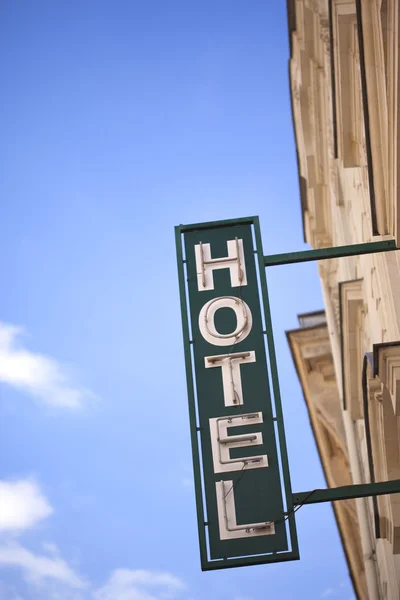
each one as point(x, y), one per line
point(360, 490)
point(325, 253)
point(356, 490)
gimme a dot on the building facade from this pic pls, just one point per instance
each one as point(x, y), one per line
point(345, 87)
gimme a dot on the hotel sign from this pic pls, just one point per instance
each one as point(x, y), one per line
point(238, 471)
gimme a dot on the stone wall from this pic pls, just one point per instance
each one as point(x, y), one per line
point(344, 76)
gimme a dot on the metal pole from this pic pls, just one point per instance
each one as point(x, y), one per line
point(325, 253)
point(357, 490)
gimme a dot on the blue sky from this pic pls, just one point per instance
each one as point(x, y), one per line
point(118, 121)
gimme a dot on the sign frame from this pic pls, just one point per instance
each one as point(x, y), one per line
point(288, 515)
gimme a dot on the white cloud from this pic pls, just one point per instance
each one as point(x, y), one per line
point(126, 584)
point(35, 373)
point(38, 568)
point(22, 505)
point(50, 576)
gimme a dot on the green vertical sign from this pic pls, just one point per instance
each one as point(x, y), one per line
point(236, 463)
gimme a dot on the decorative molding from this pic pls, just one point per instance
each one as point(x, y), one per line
point(377, 114)
point(384, 393)
point(312, 349)
point(334, 295)
point(323, 403)
point(308, 75)
point(352, 323)
point(389, 373)
point(348, 85)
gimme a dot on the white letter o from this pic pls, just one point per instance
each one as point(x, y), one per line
point(243, 318)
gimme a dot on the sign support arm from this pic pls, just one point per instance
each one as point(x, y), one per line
point(346, 492)
point(324, 253)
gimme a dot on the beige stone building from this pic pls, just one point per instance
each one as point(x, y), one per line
point(344, 75)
